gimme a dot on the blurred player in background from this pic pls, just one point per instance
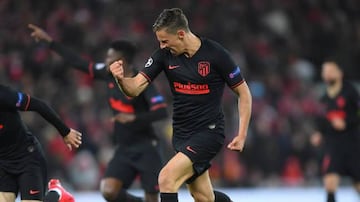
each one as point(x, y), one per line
point(197, 70)
point(22, 161)
point(338, 128)
point(137, 152)
point(57, 193)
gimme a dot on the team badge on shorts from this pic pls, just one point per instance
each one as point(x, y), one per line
point(204, 68)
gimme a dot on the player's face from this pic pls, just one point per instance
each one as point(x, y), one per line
point(331, 73)
point(112, 56)
point(172, 42)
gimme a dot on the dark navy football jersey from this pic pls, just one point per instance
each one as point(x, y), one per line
point(148, 107)
point(149, 101)
point(197, 84)
point(13, 133)
point(16, 141)
point(344, 105)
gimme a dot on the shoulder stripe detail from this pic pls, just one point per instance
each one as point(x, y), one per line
point(238, 84)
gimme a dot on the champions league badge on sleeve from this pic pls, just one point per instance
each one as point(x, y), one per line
point(20, 98)
point(99, 66)
point(149, 62)
point(234, 73)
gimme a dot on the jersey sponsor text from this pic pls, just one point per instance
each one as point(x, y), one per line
point(191, 88)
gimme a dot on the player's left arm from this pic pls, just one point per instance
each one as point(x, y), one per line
point(15, 100)
point(244, 110)
point(231, 74)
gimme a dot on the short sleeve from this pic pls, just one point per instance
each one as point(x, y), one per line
point(154, 65)
point(228, 69)
point(15, 100)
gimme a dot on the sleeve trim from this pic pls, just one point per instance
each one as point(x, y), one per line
point(146, 76)
point(237, 84)
point(27, 103)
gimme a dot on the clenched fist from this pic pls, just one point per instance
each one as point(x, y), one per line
point(117, 69)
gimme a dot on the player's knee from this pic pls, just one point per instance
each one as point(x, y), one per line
point(109, 195)
point(165, 180)
point(331, 182)
point(203, 197)
point(109, 192)
point(357, 187)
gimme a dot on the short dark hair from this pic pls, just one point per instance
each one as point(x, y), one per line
point(172, 19)
point(336, 60)
point(127, 49)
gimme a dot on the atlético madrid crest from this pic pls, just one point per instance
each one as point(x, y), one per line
point(204, 68)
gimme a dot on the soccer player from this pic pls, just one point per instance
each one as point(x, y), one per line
point(138, 150)
point(22, 161)
point(197, 70)
point(338, 128)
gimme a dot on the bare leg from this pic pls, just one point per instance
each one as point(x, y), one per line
point(7, 196)
point(151, 197)
point(201, 189)
point(174, 173)
point(331, 183)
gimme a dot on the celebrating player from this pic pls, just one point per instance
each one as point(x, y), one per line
point(197, 70)
point(22, 161)
point(138, 150)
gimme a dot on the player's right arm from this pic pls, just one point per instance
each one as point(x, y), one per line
point(133, 86)
point(69, 56)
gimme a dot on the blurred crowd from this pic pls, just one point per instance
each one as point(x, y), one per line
point(279, 45)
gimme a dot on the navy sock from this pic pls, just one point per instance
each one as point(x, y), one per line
point(168, 197)
point(52, 196)
point(221, 197)
point(330, 197)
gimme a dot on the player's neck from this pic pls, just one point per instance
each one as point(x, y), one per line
point(192, 45)
point(334, 90)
